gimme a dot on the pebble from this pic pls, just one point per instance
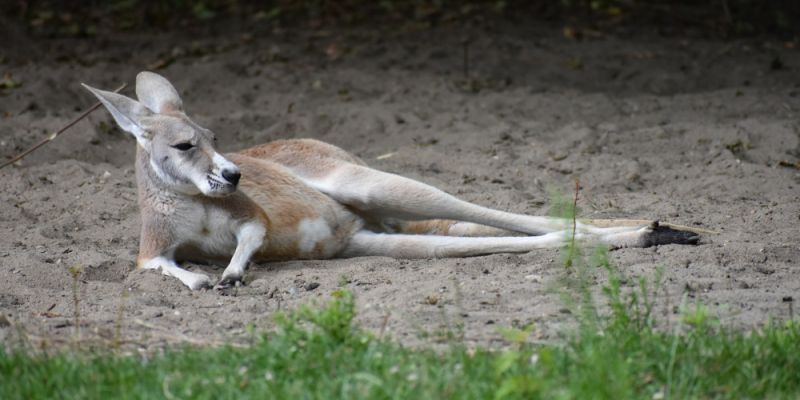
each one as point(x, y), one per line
point(533, 278)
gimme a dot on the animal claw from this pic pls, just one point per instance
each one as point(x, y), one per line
point(661, 234)
point(229, 282)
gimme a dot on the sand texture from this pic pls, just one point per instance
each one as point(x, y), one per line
point(690, 131)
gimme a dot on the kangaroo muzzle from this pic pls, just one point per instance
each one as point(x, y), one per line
point(232, 176)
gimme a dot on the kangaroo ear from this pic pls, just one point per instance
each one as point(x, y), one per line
point(127, 112)
point(156, 93)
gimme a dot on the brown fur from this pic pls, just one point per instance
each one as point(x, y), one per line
point(288, 201)
point(303, 198)
point(427, 227)
point(307, 157)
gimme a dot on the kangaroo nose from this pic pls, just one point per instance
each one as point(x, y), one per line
point(232, 176)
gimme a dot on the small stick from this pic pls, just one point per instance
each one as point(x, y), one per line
point(571, 247)
point(386, 322)
point(575, 209)
point(727, 12)
point(466, 43)
point(118, 323)
point(55, 135)
point(75, 271)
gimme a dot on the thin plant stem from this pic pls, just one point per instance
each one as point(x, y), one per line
point(54, 135)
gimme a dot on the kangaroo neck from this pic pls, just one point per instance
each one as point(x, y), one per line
point(154, 194)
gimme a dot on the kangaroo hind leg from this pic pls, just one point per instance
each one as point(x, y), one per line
point(379, 195)
point(444, 227)
point(366, 243)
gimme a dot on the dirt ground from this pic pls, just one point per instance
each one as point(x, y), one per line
point(681, 129)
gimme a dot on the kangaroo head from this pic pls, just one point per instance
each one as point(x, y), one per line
point(181, 153)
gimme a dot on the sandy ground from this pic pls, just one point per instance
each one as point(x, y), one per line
point(685, 130)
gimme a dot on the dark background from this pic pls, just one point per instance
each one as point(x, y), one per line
point(685, 112)
point(718, 18)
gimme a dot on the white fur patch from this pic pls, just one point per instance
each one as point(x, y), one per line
point(311, 232)
point(461, 229)
point(211, 229)
point(159, 172)
point(141, 138)
point(200, 180)
point(251, 235)
point(155, 263)
point(221, 163)
point(250, 238)
point(170, 268)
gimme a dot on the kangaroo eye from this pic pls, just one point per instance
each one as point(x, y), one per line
point(183, 146)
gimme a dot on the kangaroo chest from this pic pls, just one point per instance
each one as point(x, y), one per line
point(318, 229)
point(211, 230)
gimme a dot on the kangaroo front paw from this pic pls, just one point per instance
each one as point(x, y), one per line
point(228, 282)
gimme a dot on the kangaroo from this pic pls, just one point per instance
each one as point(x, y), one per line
point(306, 199)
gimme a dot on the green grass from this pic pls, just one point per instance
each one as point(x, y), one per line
point(317, 353)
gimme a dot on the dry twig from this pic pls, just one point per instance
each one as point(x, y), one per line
point(58, 132)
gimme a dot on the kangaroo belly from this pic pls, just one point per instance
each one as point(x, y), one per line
point(309, 238)
point(303, 223)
